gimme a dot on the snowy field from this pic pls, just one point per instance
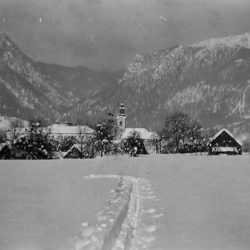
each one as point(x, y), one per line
point(161, 202)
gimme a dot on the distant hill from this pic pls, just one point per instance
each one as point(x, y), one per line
point(79, 82)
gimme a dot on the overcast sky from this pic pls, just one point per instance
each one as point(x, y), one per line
point(106, 34)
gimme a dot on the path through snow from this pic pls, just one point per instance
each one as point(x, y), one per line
point(120, 225)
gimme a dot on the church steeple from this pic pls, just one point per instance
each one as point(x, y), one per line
point(121, 117)
point(122, 110)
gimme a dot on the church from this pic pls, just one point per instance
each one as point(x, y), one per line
point(124, 132)
point(121, 119)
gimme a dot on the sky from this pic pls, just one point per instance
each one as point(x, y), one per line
point(107, 34)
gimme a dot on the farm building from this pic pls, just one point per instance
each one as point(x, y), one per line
point(79, 151)
point(66, 131)
point(224, 143)
point(75, 152)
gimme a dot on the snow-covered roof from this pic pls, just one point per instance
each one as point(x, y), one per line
point(76, 146)
point(2, 145)
point(64, 129)
point(5, 122)
point(144, 133)
point(225, 130)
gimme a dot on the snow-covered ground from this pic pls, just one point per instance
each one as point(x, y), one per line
point(154, 202)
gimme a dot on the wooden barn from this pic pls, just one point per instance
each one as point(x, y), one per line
point(74, 152)
point(224, 143)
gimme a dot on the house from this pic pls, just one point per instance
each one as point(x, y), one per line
point(75, 152)
point(224, 143)
point(79, 151)
point(60, 131)
point(5, 152)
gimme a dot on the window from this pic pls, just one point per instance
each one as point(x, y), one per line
point(120, 123)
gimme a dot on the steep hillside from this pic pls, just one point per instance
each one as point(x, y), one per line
point(25, 92)
point(209, 80)
point(79, 81)
point(32, 89)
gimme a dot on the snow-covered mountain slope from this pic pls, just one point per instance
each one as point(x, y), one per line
point(230, 41)
point(25, 92)
point(209, 80)
point(31, 89)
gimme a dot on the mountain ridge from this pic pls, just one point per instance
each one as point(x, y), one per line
point(209, 80)
point(30, 89)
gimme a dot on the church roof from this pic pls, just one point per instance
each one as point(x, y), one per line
point(2, 145)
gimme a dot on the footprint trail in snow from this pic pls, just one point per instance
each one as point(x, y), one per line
point(120, 226)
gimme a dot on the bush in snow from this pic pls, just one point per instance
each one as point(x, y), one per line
point(134, 144)
point(35, 144)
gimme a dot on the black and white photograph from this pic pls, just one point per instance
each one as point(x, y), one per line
point(124, 125)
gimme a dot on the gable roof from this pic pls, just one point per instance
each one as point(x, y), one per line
point(75, 146)
point(2, 145)
point(225, 130)
point(144, 133)
point(65, 129)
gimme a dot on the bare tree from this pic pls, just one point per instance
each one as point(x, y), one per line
point(3, 136)
point(16, 129)
point(82, 137)
point(182, 133)
point(156, 141)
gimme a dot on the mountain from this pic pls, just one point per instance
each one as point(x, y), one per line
point(31, 89)
point(209, 80)
point(79, 82)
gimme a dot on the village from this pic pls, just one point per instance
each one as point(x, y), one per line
point(124, 125)
point(111, 136)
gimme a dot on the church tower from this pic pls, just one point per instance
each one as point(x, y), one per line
point(121, 118)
